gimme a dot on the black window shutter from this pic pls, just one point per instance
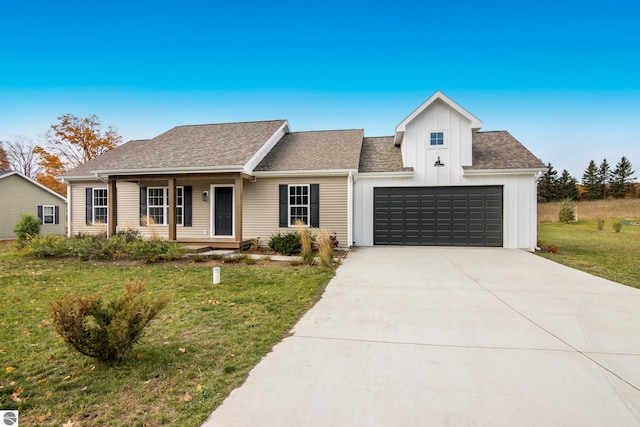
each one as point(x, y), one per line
point(187, 205)
point(143, 205)
point(315, 205)
point(88, 205)
point(56, 214)
point(40, 214)
point(284, 205)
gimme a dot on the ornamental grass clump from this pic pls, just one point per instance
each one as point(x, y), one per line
point(325, 249)
point(306, 240)
point(106, 329)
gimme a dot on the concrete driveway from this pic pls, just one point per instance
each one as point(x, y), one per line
point(446, 336)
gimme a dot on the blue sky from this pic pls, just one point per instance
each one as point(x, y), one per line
point(562, 76)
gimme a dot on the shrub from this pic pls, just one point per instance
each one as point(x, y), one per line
point(49, 245)
point(600, 223)
point(27, 227)
point(106, 330)
point(617, 226)
point(155, 249)
point(285, 244)
point(566, 213)
point(129, 234)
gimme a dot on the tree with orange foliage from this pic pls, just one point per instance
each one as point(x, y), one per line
point(72, 142)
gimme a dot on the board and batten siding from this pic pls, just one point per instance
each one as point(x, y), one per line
point(261, 217)
point(19, 196)
point(519, 205)
point(455, 153)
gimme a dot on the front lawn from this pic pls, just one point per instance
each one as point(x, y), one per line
point(198, 349)
point(604, 253)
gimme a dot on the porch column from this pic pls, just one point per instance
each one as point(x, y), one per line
point(237, 221)
point(172, 209)
point(112, 207)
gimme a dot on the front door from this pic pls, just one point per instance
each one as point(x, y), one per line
point(223, 211)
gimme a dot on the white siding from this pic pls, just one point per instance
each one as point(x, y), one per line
point(519, 206)
point(456, 152)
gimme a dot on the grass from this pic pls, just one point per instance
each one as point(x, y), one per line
point(603, 253)
point(609, 208)
point(198, 349)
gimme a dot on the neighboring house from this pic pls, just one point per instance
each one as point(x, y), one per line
point(437, 181)
point(20, 194)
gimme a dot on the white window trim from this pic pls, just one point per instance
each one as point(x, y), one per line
point(165, 205)
point(94, 206)
point(307, 205)
point(44, 215)
point(445, 143)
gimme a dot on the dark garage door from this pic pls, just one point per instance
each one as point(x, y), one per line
point(438, 216)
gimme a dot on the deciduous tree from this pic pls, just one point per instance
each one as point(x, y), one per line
point(4, 160)
point(21, 156)
point(72, 142)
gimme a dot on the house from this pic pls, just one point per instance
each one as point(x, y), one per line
point(437, 181)
point(20, 194)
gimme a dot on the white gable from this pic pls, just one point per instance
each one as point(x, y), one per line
point(438, 95)
point(440, 164)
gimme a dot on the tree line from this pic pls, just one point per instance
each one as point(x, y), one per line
point(598, 182)
point(70, 142)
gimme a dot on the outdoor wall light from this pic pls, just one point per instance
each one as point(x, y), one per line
point(205, 196)
point(438, 162)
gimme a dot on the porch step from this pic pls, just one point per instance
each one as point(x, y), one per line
point(196, 248)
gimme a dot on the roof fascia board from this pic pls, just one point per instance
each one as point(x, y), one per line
point(383, 175)
point(332, 172)
point(36, 183)
point(168, 171)
point(267, 147)
point(526, 171)
point(476, 123)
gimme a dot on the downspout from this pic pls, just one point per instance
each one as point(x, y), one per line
point(68, 225)
point(350, 210)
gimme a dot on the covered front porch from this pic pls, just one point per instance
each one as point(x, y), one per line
point(200, 209)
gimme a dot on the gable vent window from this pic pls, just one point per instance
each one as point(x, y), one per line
point(436, 138)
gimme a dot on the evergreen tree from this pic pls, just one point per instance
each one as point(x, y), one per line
point(567, 186)
point(604, 176)
point(621, 183)
point(591, 182)
point(547, 185)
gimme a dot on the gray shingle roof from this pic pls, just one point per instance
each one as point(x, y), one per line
point(214, 145)
point(500, 150)
point(316, 150)
point(380, 154)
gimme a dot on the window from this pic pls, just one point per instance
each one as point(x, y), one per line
point(436, 138)
point(298, 204)
point(100, 205)
point(158, 205)
point(48, 214)
point(298, 201)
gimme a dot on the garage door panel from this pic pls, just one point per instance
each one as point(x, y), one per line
point(432, 216)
